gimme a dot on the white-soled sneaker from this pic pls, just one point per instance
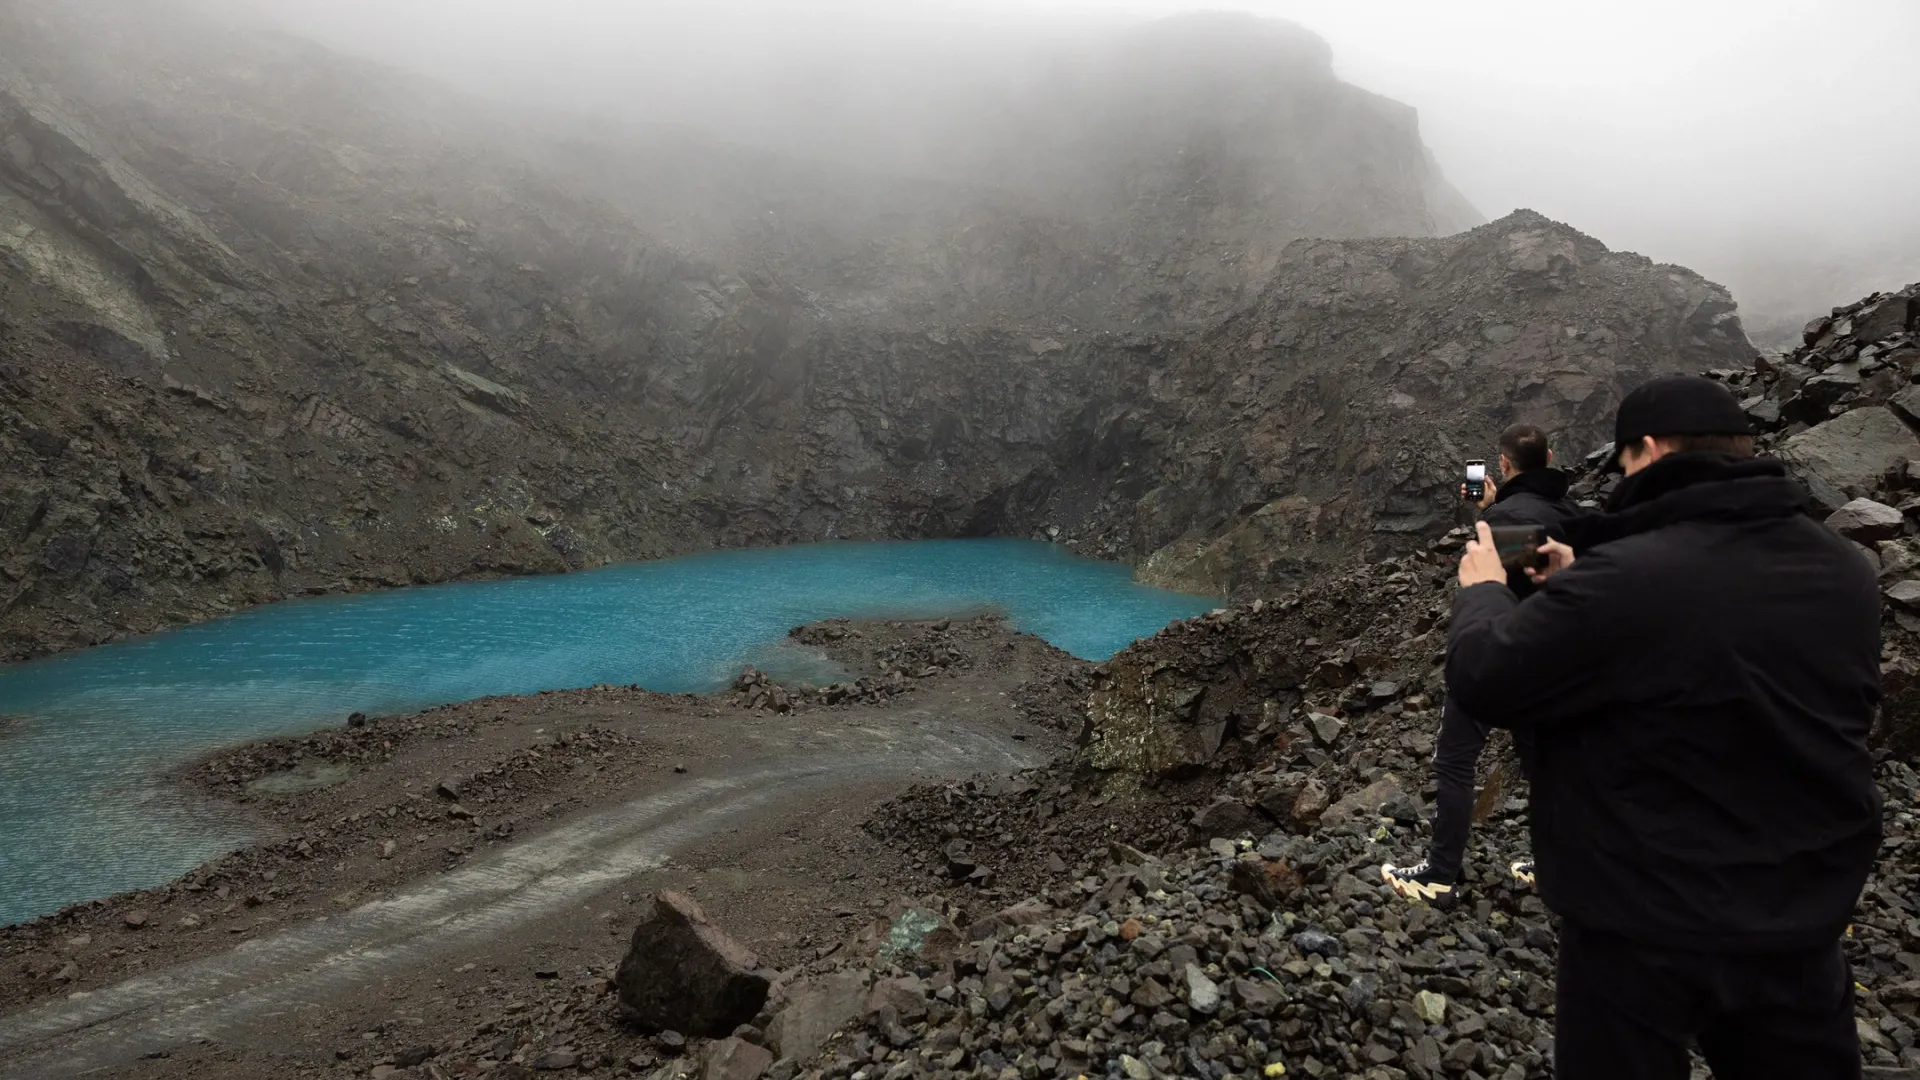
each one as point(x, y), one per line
point(1523, 872)
point(1418, 882)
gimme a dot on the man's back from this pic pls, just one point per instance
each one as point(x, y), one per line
point(1702, 688)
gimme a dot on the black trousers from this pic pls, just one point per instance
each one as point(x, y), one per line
point(1456, 757)
point(1626, 1011)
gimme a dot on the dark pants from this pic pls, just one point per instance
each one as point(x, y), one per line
point(1626, 1012)
point(1456, 757)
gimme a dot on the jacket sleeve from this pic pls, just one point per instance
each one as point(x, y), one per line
point(1514, 664)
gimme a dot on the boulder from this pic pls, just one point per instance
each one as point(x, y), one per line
point(1311, 803)
point(1366, 802)
point(1326, 729)
point(898, 999)
point(1222, 817)
point(815, 1010)
point(735, 1059)
point(1905, 594)
point(682, 974)
point(1899, 558)
point(1820, 394)
point(1907, 404)
point(1866, 521)
point(1270, 882)
point(1898, 727)
point(1882, 320)
point(1277, 799)
point(1852, 452)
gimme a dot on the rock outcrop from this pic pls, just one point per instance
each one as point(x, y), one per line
point(1330, 417)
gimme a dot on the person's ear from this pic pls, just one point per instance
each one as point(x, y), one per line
point(1549, 455)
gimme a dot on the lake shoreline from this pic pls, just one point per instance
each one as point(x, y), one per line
point(429, 793)
point(27, 635)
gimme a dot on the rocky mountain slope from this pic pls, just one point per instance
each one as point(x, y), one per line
point(1258, 940)
point(273, 322)
point(1331, 415)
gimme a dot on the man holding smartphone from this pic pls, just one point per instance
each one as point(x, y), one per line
point(1701, 681)
point(1531, 492)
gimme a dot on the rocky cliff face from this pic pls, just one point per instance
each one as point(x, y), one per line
point(274, 323)
point(1330, 417)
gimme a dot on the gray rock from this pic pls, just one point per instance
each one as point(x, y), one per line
point(1203, 994)
point(735, 1059)
point(1819, 395)
point(1367, 801)
point(1899, 558)
point(1866, 521)
point(1884, 319)
point(1311, 803)
point(682, 974)
point(816, 1009)
point(1852, 452)
point(1222, 817)
point(1906, 403)
point(1905, 593)
point(1762, 411)
point(900, 999)
point(1326, 729)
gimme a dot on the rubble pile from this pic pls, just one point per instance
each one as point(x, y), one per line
point(1291, 738)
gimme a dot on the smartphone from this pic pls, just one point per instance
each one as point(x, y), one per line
point(1476, 481)
point(1519, 546)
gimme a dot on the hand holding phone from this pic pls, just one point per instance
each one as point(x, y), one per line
point(1521, 547)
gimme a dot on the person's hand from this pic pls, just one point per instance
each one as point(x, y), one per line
point(1481, 563)
point(1559, 557)
point(1488, 491)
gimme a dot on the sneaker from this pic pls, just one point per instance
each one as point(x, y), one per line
point(1418, 882)
point(1523, 871)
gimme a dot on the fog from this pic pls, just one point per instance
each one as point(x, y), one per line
point(1773, 145)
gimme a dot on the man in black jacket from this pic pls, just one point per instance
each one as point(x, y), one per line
point(1701, 680)
point(1531, 492)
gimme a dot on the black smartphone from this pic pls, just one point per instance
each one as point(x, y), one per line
point(1519, 546)
point(1476, 480)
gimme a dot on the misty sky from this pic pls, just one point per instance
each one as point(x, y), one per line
point(1696, 131)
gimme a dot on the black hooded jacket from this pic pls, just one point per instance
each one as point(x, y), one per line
point(1534, 497)
point(1701, 682)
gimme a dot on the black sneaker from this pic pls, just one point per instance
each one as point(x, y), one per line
point(1418, 882)
point(1522, 872)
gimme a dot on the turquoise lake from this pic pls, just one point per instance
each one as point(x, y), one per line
point(85, 737)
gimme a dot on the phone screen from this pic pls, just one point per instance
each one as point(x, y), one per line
point(1476, 471)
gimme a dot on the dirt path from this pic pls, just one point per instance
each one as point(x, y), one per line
point(539, 877)
point(762, 824)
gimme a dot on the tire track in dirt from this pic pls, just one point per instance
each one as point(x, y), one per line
point(302, 966)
